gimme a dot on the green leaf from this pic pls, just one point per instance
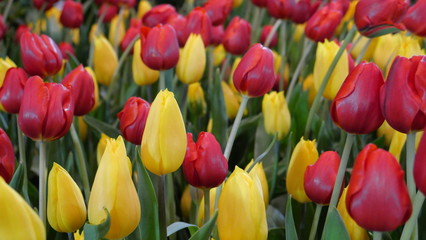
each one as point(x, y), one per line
point(334, 228)
point(276, 234)
point(177, 226)
point(101, 126)
point(290, 228)
point(204, 232)
point(95, 232)
point(218, 111)
point(18, 178)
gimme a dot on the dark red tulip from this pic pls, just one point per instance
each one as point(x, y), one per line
point(303, 10)
point(204, 164)
point(420, 165)
point(403, 97)
point(260, 3)
point(324, 22)
point(21, 30)
point(7, 157)
point(160, 49)
point(199, 22)
point(158, 15)
point(132, 32)
point(378, 17)
point(178, 22)
point(377, 197)
point(127, 3)
point(44, 4)
point(264, 35)
point(72, 14)
point(133, 119)
point(66, 49)
point(237, 36)
point(218, 10)
point(108, 11)
point(254, 75)
point(320, 177)
point(281, 9)
point(47, 110)
point(40, 55)
point(356, 107)
point(415, 18)
point(12, 89)
point(218, 32)
point(82, 87)
point(3, 27)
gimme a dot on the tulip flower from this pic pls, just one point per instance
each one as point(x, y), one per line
point(218, 10)
point(200, 217)
point(131, 33)
point(45, 4)
point(95, 82)
point(219, 54)
point(12, 89)
point(18, 220)
point(281, 9)
point(105, 60)
point(178, 22)
point(160, 49)
point(377, 186)
point(237, 36)
point(264, 35)
point(258, 172)
point(158, 15)
point(199, 22)
point(164, 140)
point(72, 14)
point(358, 48)
point(397, 143)
point(378, 17)
point(414, 18)
point(232, 100)
point(419, 166)
point(114, 190)
point(405, 112)
point(133, 119)
point(204, 165)
point(320, 177)
point(324, 23)
point(40, 54)
point(325, 55)
point(117, 30)
point(196, 100)
point(241, 208)
point(7, 157)
point(21, 30)
point(304, 154)
point(142, 75)
point(82, 87)
point(254, 75)
point(303, 10)
point(218, 32)
point(66, 50)
point(100, 148)
point(409, 47)
point(108, 11)
point(276, 116)
point(260, 3)
point(386, 49)
point(143, 7)
point(192, 62)
point(66, 210)
point(185, 203)
point(46, 111)
point(356, 107)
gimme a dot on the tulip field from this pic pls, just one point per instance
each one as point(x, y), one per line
point(212, 119)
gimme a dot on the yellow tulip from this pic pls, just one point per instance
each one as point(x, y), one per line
point(241, 208)
point(5, 64)
point(200, 217)
point(143, 7)
point(196, 100)
point(66, 210)
point(142, 74)
point(355, 231)
point(82, 128)
point(78, 235)
point(234, 66)
point(325, 55)
point(386, 49)
point(348, 18)
point(308, 85)
point(116, 30)
point(163, 145)
point(75, 33)
point(360, 44)
point(95, 83)
point(232, 101)
point(236, 3)
point(298, 32)
point(410, 46)
point(92, 31)
point(219, 55)
point(387, 131)
point(192, 60)
point(397, 143)
point(105, 60)
point(185, 203)
point(277, 61)
point(18, 220)
point(304, 154)
point(277, 119)
point(258, 172)
point(114, 190)
point(101, 147)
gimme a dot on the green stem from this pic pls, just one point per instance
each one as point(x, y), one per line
point(162, 207)
point(22, 160)
point(210, 62)
point(377, 235)
point(363, 51)
point(272, 32)
point(412, 221)
point(255, 23)
point(162, 81)
point(315, 222)
point(327, 76)
point(235, 126)
point(206, 205)
point(261, 156)
point(42, 177)
point(274, 169)
point(7, 9)
point(283, 49)
point(411, 151)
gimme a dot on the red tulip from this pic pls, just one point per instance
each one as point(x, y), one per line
point(415, 18)
point(320, 177)
point(264, 35)
point(107, 10)
point(377, 197)
point(127, 3)
point(303, 10)
point(178, 22)
point(3, 27)
point(356, 107)
point(82, 87)
point(72, 14)
point(403, 97)
point(160, 49)
point(45, 4)
point(66, 50)
point(324, 22)
point(199, 22)
point(281, 9)
point(133, 119)
point(204, 164)
point(12, 89)
point(254, 75)
point(40, 55)
point(218, 10)
point(21, 30)
point(420, 165)
point(132, 32)
point(237, 36)
point(218, 32)
point(47, 110)
point(260, 3)
point(7, 157)
point(158, 15)
point(377, 17)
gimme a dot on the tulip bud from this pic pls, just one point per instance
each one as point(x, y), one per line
point(218, 11)
point(308, 85)
point(66, 210)
point(196, 100)
point(219, 54)
point(323, 23)
point(117, 30)
point(259, 3)
point(158, 15)
point(356, 107)
point(142, 75)
point(264, 35)
point(108, 11)
point(131, 33)
point(46, 111)
point(133, 118)
point(18, 220)
point(386, 49)
point(410, 46)
point(143, 7)
point(114, 190)
point(320, 177)
point(237, 36)
point(66, 50)
point(21, 30)
point(105, 60)
point(254, 75)
point(232, 100)
point(7, 157)
point(397, 143)
point(164, 141)
point(241, 208)
point(12, 89)
point(377, 186)
point(258, 172)
point(414, 18)
point(276, 116)
point(200, 217)
point(100, 149)
point(72, 14)
point(185, 203)
point(95, 83)
point(45, 4)
point(218, 32)
point(303, 10)
point(192, 62)
point(420, 166)
point(304, 154)
point(358, 48)
point(178, 22)
point(198, 22)
point(281, 9)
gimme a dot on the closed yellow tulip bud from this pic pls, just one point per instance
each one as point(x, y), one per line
point(299, 31)
point(66, 210)
point(387, 131)
point(143, 7)
point(360, 44)
point(241, 208)
point(185, 203)
point(196, 100)
point(114, 190)
point(142, 74)
point(163, 145)
point(231, 76)
point(192, 60)
point(92, 31)
point(277, 61)
point(200, 217)
point(304, 154)
point(308, 85)
point(75, 33)
point(257, 171)
point(116, 30)
point(101, 147)
point(18, 220)
point(219, 54)
point(386, 49)
point(277, 119)
point(325, 55)
point(5, 64)
point(397, 143)
point(105, 60)
point(95, 83)
point(236, 3)
point(82, 128)
point(355, 231)
point(232, 101)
